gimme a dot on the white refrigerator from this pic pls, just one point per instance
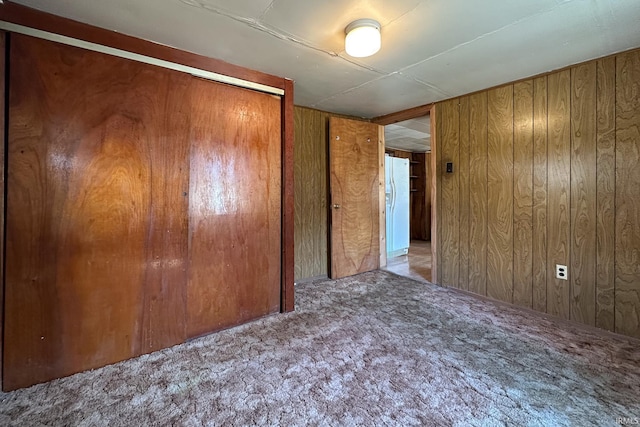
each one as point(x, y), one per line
point(396, 177)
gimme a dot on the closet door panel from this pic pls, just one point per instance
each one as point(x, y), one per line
point(234, 207)
point(96, 217)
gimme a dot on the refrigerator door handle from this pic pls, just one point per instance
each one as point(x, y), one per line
point(393, 190)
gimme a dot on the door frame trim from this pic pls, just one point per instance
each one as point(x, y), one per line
point(413, 113)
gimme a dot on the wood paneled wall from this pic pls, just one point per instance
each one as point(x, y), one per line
point(546, 172)
point(311, 192)
point(626, 184)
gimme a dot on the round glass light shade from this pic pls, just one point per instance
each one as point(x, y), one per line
point(363, 38)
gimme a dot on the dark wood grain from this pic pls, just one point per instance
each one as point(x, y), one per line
point(463, 282)
point(583, 193)
point(287, 264)
point(418, 219)
point(449, 146)
point(558, 197)
point(18, 14)
point(2, 181)
point(523, 193)
point(234, 207)
point(627, 251)
point(500, 193)
point(399, 116)
point(402, 154)
point(83, 212)
point(606, 183)
point(428, 178)
point(355, 235)
point(540, 163)
point(478, 193)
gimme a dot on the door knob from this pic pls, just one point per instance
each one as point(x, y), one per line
point(336, 206)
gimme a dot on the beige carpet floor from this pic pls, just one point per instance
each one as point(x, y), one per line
point(373, 349)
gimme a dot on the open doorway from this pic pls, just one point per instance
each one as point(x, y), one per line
point(408, 177)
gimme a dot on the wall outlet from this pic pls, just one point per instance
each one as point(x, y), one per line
point(562, 272)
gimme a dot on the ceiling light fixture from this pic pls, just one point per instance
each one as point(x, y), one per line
point(363, 38)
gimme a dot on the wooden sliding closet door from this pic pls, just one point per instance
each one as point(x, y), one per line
point(96, 231)
point(234, 207)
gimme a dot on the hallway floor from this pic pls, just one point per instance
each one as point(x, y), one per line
point(416, 264)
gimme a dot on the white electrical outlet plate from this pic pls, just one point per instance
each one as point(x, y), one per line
point(562, 272)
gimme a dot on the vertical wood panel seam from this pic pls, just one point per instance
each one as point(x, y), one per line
point(460, 187)
point(5, 167)
point(571, 162)
point(615, 183)
point(546, 273)
point(439, 163)
point(595, 254)
point(486, 219)
point(513, 189)
point(533, 174)
point(595, 288)
point(457, 172)
point(597, 284)
point(546, 195)
point(533, 169)
point(461, 205)
point(469, 209)
point(597, 125)
point(465, 203)
point(571, 195)
point(594, 107)
point(468, 165)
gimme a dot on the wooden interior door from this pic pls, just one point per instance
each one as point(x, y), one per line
point(96, 229)
point(354, 186)
point(234, 207)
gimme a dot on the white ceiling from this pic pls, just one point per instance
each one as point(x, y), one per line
point(431, 49)
point(410, 135)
